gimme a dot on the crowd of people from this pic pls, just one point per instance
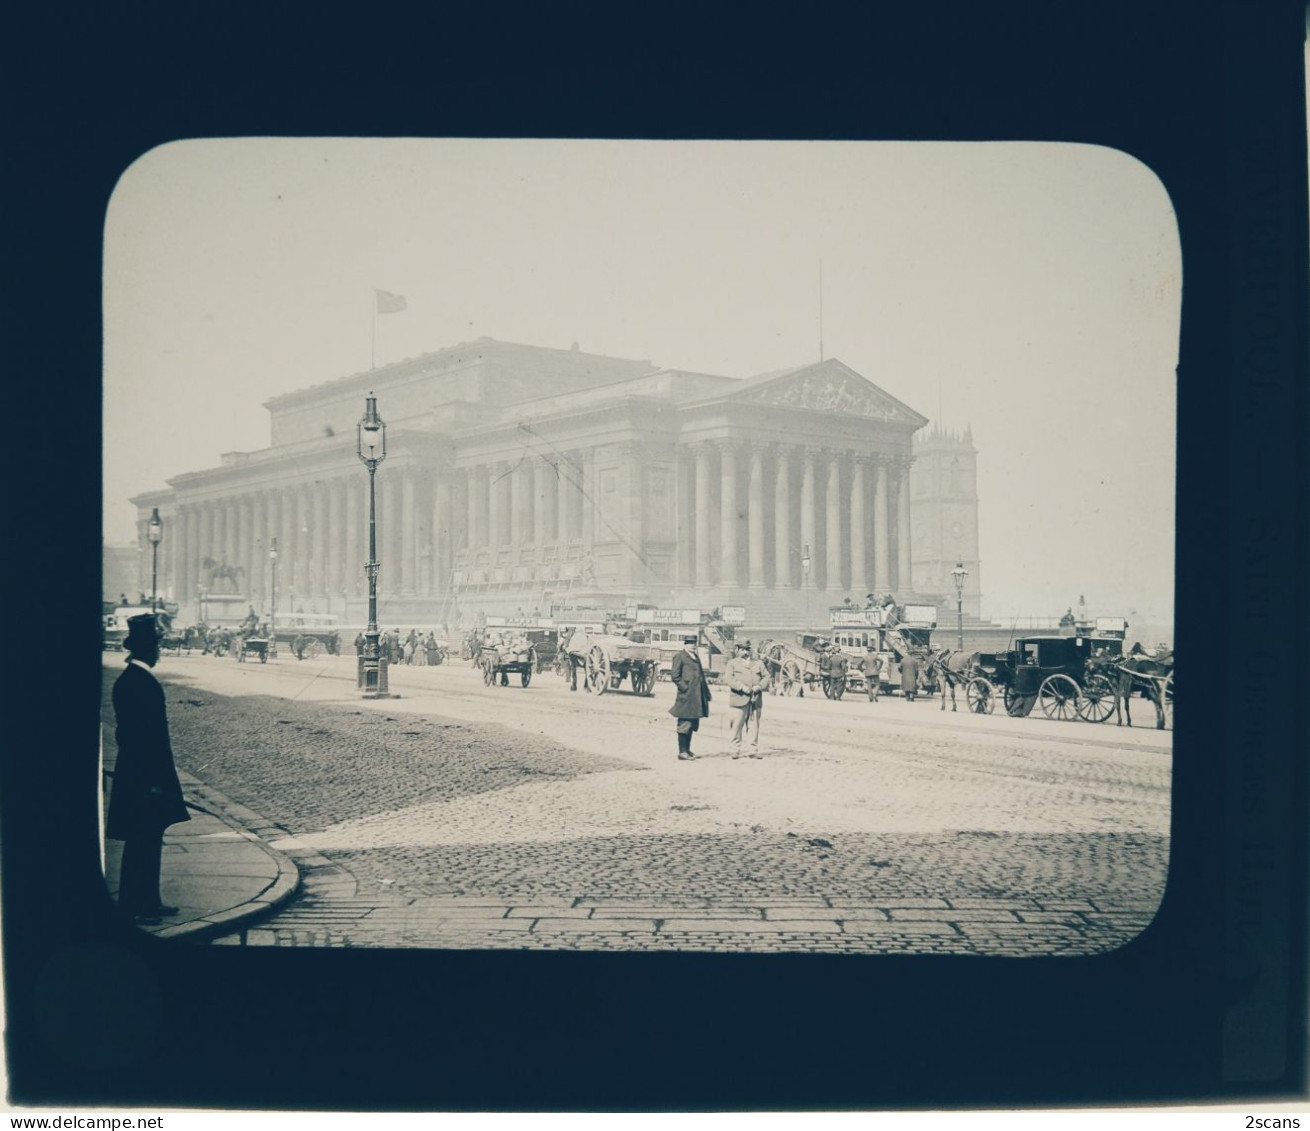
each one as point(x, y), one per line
point(415, 649)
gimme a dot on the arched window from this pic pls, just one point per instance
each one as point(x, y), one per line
point(955, 485)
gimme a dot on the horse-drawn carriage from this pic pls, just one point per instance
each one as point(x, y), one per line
point(1078, 676)
point(255, 647)
point(539, 632)
point(506, 652)
point(607, 658)
point(794, 667)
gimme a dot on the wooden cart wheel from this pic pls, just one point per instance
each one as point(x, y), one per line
point(981, 695)
point(638, 680)
point(1167, 697)
point(1012, 700)
point(1096, 703)
point(1059, 696)
point(792, 682)
point(651, 670)
point(526, 676)
point(598, 671)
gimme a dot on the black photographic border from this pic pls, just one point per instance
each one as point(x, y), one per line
point(1207, 1004)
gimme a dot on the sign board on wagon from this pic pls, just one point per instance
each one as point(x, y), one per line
point(733, 614)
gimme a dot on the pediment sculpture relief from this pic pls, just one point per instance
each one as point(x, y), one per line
point(829, 392)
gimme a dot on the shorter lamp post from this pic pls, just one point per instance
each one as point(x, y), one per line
point(201, 593)
point(156, 535)
point(272, 616)
point(958, 574)
point(805, 581)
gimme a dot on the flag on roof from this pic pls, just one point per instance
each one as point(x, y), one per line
point(389, 303)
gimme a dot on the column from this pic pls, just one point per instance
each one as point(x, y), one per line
point(318, 542)
point(808, 543)
point(356, 536)
point(205, 547)
point(540, 503)
point(586, 492)
point(442, 534)
point(495, 508)
point(859, 578)
point(728, 513)
point(882, 578)
point(408, 572)
point(782, 521)
point(247, 552)
point(564, 492)
point(218, 531)
point(258, 549)
point(473, 532)
point(186, 544)
point(518, 506)
point(273, 520)
point(232, 539)
point(388, 533)
point(755, 518)
point(702, 489)
point(904, 581)
point(832, 558)
point(336, 582)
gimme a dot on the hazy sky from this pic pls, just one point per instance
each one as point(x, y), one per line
point(1032, 289)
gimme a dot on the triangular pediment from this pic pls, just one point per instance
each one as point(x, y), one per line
point(827, 386)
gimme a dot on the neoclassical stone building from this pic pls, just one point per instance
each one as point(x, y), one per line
point(518, 476)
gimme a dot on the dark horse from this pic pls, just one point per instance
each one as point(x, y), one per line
point(1140, 670)
point(954, 668)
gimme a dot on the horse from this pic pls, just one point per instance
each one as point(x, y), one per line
point(1138, 669)
point(953, 668)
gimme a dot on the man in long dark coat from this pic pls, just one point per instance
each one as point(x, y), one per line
point(693, 701)
point(909, 676)
point(146, 796)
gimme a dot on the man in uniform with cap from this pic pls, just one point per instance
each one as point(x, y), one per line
point(693, 701)
point(146, 796)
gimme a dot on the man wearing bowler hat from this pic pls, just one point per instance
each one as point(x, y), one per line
point(146, 797)
point(693, 701)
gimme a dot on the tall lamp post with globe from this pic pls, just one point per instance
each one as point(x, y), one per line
point(372, 450)
point(155, 532)
point(958, 574)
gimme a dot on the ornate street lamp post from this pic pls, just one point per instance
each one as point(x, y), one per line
point(156, 535)
point(958, 574)
point(372, 450)
point(202, 592)
point(272, 616)
point(805, 581)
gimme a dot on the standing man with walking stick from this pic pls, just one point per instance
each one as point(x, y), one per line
point(746, 679)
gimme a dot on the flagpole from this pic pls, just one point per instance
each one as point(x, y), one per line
point(373, 337)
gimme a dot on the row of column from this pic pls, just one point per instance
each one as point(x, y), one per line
point(851, 526)
point(321, 531)
point(533, 501)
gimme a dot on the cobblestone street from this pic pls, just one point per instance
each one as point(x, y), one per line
point(465, 816)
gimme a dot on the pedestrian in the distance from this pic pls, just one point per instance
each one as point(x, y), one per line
point(909, 677)
point(146, 796)
point(746, 679)
point(693, 701)
point(871, 666)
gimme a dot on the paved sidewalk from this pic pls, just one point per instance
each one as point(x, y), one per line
point(217, 870)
